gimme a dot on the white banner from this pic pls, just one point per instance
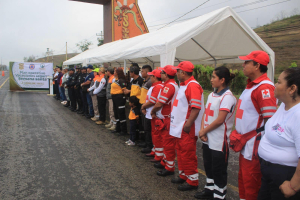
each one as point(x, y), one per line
point(32, 75)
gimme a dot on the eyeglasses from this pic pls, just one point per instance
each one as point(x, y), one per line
point(162, 72)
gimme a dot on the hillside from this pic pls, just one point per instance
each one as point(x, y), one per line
point(57, 59)
point(284, 38)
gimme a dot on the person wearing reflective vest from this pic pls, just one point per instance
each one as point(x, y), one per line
point(119, 101)
point(100, 91)
point(216, 127)
point(255, 106)
point(151, 99)
point(111, 79)
point(146, 123)
point(94, 96)
point(186, 115)
point(162, 110)
point(134, 89)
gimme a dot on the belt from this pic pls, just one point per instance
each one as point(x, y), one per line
point(267, 163)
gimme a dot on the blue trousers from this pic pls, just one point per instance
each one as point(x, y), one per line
point(90, 104)
point(62, 94)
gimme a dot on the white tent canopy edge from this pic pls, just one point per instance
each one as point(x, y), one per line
point(219, 36)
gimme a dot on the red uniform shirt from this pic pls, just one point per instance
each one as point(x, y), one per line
point(155, 92)
point(263, 97)
point(166, 96)
point(193, 95)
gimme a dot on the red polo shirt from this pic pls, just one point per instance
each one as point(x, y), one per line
point(155, 91)
point(166, 96)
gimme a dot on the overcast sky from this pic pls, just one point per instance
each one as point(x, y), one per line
point(29, 27)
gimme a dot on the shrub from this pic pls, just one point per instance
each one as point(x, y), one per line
point(203, 75)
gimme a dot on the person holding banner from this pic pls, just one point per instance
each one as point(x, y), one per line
point(186, 115)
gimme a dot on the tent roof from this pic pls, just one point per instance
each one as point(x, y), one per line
point(219, 36)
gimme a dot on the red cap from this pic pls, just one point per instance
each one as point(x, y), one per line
point(258, 56)
point(155, 73)
point(186, 66)
point(169, 69)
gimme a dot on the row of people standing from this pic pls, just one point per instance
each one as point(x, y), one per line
point(174, 118)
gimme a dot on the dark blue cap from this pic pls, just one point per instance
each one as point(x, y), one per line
point(90, 67)
point(84, 67)
point(72, 69)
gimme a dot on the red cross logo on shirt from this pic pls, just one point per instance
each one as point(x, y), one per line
point(208, 112)
point(175, 103)
point(239, 112)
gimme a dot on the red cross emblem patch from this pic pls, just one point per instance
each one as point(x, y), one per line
point(266, 94)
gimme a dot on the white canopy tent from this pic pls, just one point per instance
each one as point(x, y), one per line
point(217, 37)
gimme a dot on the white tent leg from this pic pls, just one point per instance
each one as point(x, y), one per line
point(124, 66)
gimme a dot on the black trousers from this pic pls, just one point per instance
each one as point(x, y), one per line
point(133, 126)
point(140, 133)
point(119, 102)
point(102, 108)
point(78, 98)
point(215, 164)
point(272, 177)
point(147, 130)
point(72, 97)
point(84, 102)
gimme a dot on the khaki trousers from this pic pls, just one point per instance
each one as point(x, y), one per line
point(95, 105)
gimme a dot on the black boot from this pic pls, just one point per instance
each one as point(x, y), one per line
point(204, 194)
point(67, 104)
point(159, 166)
point(186, 187)
point(164, 172)
point(146, 150)
point(177, 180)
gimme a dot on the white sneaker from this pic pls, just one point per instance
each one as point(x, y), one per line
point(131, 143)
point(128, 141)
point(63, 102)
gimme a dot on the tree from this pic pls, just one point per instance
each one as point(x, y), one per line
point(84, 45)
point(100, 42)
point(29, 59)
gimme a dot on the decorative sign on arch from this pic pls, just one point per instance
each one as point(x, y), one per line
point(127, 20)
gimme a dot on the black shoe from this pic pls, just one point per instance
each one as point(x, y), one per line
point(88, 116)
point(80, 112)
point(67, 104)
point(177, 180)
point(159, 166)
point(146, 150)
point(164, 172)
point(186, 187)
point(154, 161)
point(204, 194)
point(114, 131)
point(121, 133)
point(83, 114)
point(150, 155)
point(73, 110)
point(142, 144)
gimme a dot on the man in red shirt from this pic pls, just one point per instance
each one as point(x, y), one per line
point(163, 106)
point(255, 106)
point(186, 115)
point(151, 99)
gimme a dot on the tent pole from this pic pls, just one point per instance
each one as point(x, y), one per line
point(119, 63)
point(177, 59)
point(150, 61)
point(205, 51)
point(124, 66)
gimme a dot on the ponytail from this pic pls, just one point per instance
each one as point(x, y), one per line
point(223, 72)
